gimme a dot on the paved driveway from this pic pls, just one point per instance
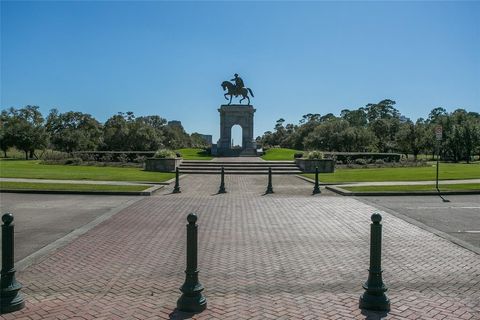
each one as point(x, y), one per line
point(40, 219)
point(459, 218)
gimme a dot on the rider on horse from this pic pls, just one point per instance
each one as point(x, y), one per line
point(238, 84)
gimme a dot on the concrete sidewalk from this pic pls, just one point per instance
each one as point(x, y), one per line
point(283, 256)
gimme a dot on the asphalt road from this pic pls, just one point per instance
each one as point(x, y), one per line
point(459, 218)
point(40, 219)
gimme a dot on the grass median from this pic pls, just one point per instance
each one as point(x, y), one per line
point(423, 187)
point(447, 171)
point(194, 154)
point(32, 169)
point(9, 185)
point(279, 154)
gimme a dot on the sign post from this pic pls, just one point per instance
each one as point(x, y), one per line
point(438, 137)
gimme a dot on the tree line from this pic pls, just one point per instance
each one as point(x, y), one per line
point(379, 127)
point(27, 130)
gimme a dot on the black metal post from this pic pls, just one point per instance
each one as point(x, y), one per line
point(438, 156)
point(436, 180)
point(176, 189)
point(269, 186)
point(374, 297)
point(10, 297)
point(192, 299)
point(316, 188)
point(222, 182)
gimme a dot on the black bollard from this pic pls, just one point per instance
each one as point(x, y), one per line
point(176, 189)
point(269, 186)
point(222, 182)
point(374, 297)
point(10, 297)
point(192, 299)
point(316, 188)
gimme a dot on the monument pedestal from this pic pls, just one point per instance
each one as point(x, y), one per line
point(241, 115)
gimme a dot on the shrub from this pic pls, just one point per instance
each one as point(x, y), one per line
point(344, 156)
point(107, 157)
point(361, 161)
point(87, 157)
point(164, 153)
point(298, 155)
point(140, 159)
point(123, 158)
point(54, 155)
point(379, 161)
point(73, 161)
point(315, 155)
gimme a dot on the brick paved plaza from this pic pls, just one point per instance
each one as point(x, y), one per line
point(289, 255)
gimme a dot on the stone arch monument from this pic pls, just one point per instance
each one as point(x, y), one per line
point(231, 115)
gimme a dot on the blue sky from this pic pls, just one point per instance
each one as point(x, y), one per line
point(169, 58)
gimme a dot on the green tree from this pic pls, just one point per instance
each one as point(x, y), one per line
point(25, 129)
point(198, 141)
point(356, 118)
point(382, 110)
point(176, 137)
point(73, 131)
point(125, 132)
point(6, 140)
point(115, 133)
point(411, 137)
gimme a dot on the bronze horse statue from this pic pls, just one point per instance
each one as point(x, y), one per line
point(233, 91)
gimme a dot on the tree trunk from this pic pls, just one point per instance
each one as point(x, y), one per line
point(26, 154)
point(5, 153)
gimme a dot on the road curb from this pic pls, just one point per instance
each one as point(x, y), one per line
point(344, 192)
point(312, 181)
point(146, 192)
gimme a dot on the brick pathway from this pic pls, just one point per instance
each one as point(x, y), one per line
point(284, 256)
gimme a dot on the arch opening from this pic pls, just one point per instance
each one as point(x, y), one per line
point(236, 134)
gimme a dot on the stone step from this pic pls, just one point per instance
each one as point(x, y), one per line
point(246, 163)
point(241, 167)
point(227, 172)
point(237, 168)
point(188, 165)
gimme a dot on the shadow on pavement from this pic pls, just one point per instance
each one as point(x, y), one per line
point(374, 315)
point(180, 315)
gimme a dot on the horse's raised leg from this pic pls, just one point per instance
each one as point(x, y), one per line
point(225, 95)
point(242, 99)
point(231, 96)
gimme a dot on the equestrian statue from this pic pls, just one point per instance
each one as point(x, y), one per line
point(237, 89)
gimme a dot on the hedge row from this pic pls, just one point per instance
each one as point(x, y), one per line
point(113, 156)
point(346, 157)
point(352, 156)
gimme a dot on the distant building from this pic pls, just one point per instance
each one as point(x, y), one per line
point(208, 138)
point(175, 123)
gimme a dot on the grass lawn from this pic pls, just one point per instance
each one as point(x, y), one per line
point(34, 170)
point(68, 186)
point(194, 154)
point(423, 187)
point(279, 154)
point(448, 171)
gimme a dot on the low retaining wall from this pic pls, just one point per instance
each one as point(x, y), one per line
point(163, 165)
point(308, 166)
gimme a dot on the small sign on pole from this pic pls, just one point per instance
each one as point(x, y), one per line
point(438, 133)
